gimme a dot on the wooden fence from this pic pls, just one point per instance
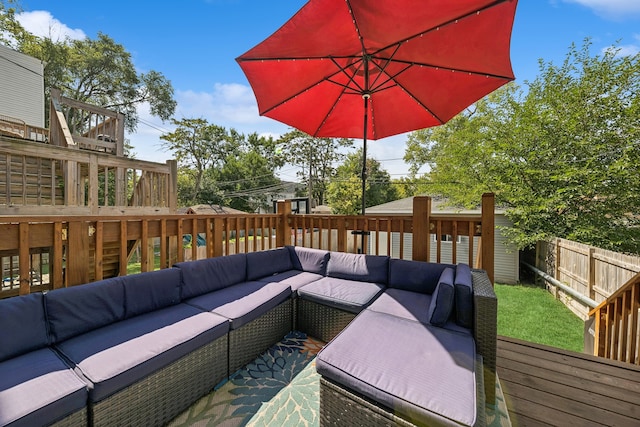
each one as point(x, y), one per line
point(593, 272)
point(40, 253)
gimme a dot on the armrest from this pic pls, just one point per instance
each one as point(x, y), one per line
point(485, 328)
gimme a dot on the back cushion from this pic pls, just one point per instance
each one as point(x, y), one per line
point(267, 263)
point(364, 268)
point(79, 309)
point(441, 304)
point(207, 275)
point(151, 291)
point(415, 276)
point(309, 260)
point(23, 326)
point(464, 296)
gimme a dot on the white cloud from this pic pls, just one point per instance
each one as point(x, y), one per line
point(41, 23)
point(615, 9)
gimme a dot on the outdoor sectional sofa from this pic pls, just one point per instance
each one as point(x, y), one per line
point(411, 339)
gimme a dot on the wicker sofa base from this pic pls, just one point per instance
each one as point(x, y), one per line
point(163, 395)
point(77, 419)
point(248, 341)
point(321, 321)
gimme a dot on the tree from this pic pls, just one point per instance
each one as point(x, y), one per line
point(344, 192)
point(316, 157)
point(563, 156)
point(98, 72)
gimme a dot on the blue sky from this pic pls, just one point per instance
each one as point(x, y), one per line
point(194, 43)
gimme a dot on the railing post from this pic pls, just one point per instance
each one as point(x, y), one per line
point(78, 253)
point(421, 228)
point(173, 185)
point(93, 184)
point(283, 230)
point(25, 259)
point(488, 233)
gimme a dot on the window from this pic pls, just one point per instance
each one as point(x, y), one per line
point(446, 238)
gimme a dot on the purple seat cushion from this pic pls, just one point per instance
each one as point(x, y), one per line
point(37, 388)
point(116, 356)
point(309, 259)
point(423, 373)
point(79, 309)
point(409, 305)
point(243, 302)
point(441, 305)
point(415, 276)
point(463, 285)
point(151, 291)
point(268, 263)
point(294, 278)
point(365, 268)
point(210, 274)
point(348, 295)
point(23, 325)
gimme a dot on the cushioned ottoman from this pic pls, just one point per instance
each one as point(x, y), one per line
point(422, 374)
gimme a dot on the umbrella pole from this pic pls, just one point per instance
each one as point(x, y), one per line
point(364, 152)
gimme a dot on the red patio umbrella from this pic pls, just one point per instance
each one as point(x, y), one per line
point(376, 68)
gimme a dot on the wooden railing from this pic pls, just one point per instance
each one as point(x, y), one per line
point(77, 124)
point(39, 253)
point(17, 128)
point(617, 331)
point(38, 179)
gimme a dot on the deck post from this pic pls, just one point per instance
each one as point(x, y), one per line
point(77, 265)
point(283, 230)
point(421, 228)
point(488, 234)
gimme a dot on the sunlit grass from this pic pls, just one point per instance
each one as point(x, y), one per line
point(533, 314)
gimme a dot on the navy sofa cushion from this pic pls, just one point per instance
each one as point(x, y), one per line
point(309, 259)
point(79, 309)
point(463, 285)
point(116, 356)
point(268, 263)
point(210, 274)
point(23, 325)
point(415, 276)
point(441, 304)
point(410, 305)
point(243, 302)
point(348, 295)
point(151, 291)
point(364, 268)
point(423, 373)
point(37, 388)
point(293, 278)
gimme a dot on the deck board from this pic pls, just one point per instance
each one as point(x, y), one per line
point(549, 386)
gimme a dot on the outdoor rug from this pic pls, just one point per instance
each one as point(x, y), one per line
point(279, 388)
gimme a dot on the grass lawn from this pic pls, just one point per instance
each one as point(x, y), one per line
point(533, 314)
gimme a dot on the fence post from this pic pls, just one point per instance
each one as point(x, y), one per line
point(488, 233)
point(78, 254)
point(283, 229)
point(421, 228)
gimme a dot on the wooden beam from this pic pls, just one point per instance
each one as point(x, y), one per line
point(421, 228)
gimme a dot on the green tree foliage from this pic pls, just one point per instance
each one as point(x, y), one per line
point(563, 156)
point(344, 192)
point(96, 71)
point(315, 156)
point(220, 166)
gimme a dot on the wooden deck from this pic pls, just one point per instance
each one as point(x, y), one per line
point(549, 386)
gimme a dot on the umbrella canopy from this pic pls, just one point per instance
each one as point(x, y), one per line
point(372, 69)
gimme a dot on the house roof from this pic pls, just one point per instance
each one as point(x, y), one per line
point(212, 210)
point(405, 206)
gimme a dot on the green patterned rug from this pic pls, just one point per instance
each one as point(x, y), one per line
point(281, 387)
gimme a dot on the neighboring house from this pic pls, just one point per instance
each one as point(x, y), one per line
point(21, 87)
point(287, 190)
point(507, 263)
